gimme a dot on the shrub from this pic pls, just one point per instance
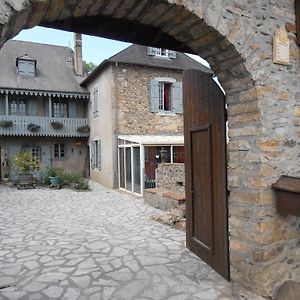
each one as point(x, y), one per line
point(52, 172)
point(33, 127)
point(6, 123)
point(80, 184)
point(75, 181)
point(25, 162)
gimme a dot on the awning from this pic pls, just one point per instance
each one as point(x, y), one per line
point(153, 139)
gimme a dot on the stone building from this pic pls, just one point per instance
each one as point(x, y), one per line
point(42, 106)
point(136, 115)
point(262, 94)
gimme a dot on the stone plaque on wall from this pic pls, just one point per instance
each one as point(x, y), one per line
point(281, 48)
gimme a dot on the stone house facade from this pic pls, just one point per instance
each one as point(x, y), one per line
point(41, 108)
point(136, 98)
point(236, 38)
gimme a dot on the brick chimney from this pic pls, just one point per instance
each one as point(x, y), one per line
point(78, 63)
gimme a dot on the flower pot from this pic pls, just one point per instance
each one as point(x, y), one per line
point(25, 181)
point(5, 179)
point(54, 181)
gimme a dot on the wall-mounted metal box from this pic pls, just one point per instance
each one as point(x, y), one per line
point(287, 190)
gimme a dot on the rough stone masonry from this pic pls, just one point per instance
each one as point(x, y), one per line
point(263, 105)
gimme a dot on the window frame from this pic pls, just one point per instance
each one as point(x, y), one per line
point(61, 149)
point(17, 107)
point(25, 62)
point(61, 108)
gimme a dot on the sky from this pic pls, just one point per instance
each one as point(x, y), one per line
point(95, 49)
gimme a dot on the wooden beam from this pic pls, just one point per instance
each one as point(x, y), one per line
point(297, 8)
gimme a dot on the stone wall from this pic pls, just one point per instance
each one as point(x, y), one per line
point(262, 97)
point(171, 177)
point(133, 93)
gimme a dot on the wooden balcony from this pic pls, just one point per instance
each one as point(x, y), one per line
point(20, 124)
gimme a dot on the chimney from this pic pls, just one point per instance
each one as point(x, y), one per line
point(78, 54)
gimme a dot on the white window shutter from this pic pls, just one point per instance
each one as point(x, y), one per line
point(172, 54)
point(151, 51)
point(154, 95)
point(177, 97)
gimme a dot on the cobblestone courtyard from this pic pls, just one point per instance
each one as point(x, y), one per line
point(102, 244)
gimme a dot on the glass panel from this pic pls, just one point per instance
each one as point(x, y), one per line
point(136, 170)
point(178, 154)
point(163, 154)
point(150, 166)
point(122, 169)
point(128, 169)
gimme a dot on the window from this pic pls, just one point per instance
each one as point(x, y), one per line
point(60, 110)
point(178, 154)
point(18, 107)
point(59, 150)
point(26, 66)
point(95, 103)
point(165, 96)
point(96, 155)
point(161, 52)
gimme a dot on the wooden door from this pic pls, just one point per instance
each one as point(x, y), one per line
point(206, 186)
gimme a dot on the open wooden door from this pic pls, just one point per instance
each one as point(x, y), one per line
point(206, 177)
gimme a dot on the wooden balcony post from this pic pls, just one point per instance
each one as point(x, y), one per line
point(50, 107)
point(6, 104)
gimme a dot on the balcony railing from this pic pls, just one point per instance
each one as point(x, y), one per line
point(19, 126)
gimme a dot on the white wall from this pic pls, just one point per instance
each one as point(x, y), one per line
point(102, 127)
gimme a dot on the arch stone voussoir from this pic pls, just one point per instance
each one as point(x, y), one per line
point(262, 97)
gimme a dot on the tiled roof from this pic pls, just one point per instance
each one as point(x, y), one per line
point(55, 70)
point(137, 55)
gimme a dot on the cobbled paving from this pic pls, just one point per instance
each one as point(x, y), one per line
point(101, 244)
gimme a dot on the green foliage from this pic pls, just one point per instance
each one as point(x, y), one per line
point(57, 125)
point(6, 123)
point(88, 67)
point(33, 127)
point(24, 162)
point(75, 181)
point(83, 129)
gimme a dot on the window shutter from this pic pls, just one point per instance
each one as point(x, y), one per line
point(95, 102)
point(99, 155)
point(92, 147)
point(151, 51)
point(172, 54)
point(72, 110)
point(154, 95)
point(177, 97)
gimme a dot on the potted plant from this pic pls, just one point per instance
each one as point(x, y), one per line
point(6, 177)
point(83, 129)
point(25, 163)
point(6, 123)
point(57, 125)
point(33, 127)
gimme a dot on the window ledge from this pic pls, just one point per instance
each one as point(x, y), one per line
point(166, 113)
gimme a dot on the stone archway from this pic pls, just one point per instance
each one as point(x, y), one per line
point(262, 103)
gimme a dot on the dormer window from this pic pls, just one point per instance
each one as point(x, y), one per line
point(161, 52)
point(26, 66)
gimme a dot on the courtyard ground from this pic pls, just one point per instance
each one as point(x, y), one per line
point(101, 244)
